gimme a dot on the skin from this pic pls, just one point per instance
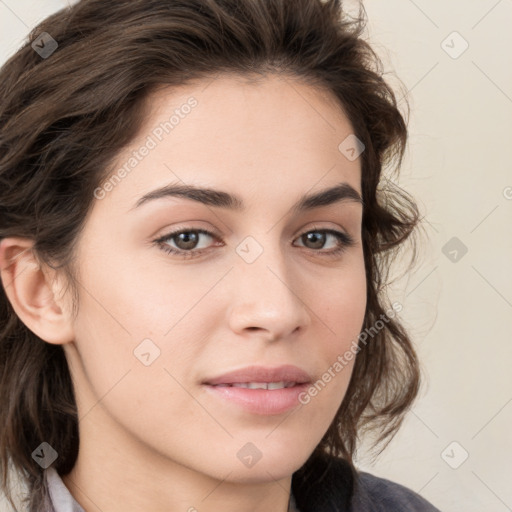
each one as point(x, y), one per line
point(151, 438)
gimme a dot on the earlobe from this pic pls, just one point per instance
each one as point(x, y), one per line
point(33, 292)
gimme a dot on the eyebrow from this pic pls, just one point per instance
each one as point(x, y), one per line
point(221, 199)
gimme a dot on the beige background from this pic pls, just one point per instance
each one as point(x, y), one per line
point(457, 306)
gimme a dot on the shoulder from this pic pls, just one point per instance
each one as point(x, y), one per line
point(375, 494)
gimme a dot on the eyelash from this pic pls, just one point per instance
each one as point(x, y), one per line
point(346, 241)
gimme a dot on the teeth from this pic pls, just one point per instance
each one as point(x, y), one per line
point(250, 385)
point(276, 385)
point(262, 385)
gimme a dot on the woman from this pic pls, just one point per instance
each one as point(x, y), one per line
point(193, 254)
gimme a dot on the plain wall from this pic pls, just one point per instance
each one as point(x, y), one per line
point(457, 305)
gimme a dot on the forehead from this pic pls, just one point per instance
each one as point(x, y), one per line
point(242, 135)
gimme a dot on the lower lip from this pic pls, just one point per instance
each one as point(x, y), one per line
point(261, 401)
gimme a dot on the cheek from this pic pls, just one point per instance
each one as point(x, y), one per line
point(344, 304)
point(134, 373)
point(130, 315)
point(343, 309)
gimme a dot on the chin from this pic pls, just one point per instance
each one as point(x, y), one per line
point(271, 466)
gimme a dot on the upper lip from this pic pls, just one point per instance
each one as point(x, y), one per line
point(286, 373)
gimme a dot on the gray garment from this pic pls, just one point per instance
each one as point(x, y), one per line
point(382, 495)
point(375, 495)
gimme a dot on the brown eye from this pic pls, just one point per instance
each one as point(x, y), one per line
point(316, 239)
point(185, 240)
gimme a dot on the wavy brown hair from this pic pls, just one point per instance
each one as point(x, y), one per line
point(64, 119)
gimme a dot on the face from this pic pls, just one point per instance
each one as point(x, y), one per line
point(175, 292)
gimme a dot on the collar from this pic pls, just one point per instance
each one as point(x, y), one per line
point(62, 500)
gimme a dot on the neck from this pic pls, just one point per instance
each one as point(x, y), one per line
point(115, 473)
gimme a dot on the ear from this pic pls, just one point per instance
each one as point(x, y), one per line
point(34, 292)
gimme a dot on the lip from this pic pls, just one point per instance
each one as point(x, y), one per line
point(287, 373)
point(260, 401)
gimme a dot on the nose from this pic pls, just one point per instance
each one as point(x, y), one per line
point(268, 298)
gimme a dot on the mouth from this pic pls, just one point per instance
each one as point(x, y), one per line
point(260, 390)
point(258, 385)
point(280, 376)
